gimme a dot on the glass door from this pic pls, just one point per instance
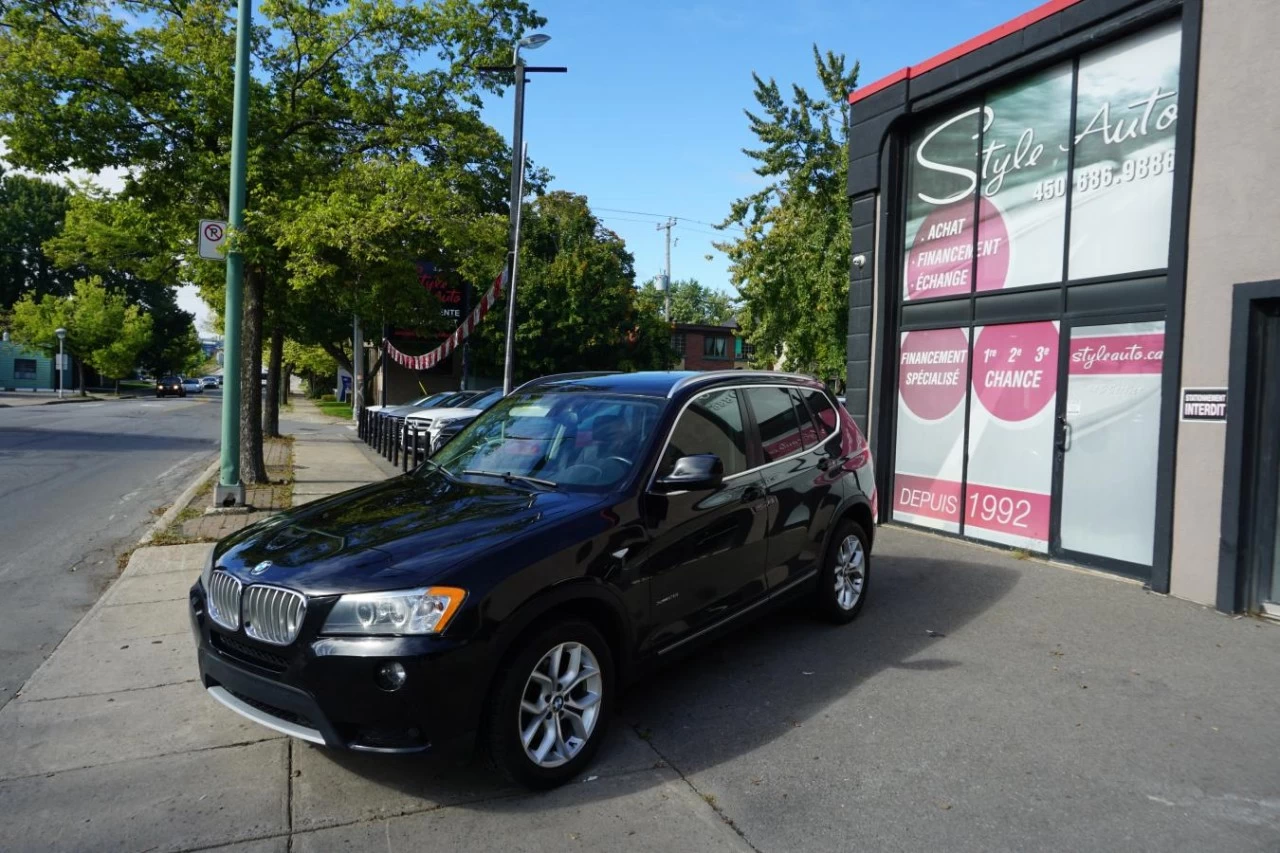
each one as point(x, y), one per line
point(1108, 432)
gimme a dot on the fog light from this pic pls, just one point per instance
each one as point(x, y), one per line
point(391, 676)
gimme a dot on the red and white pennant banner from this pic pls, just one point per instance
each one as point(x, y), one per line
point(460, 334)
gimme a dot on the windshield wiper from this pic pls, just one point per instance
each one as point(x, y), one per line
point(436, 466)
point(508, 477)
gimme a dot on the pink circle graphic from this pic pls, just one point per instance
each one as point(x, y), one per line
point(933, 370)
point(940, 262)
point(1015, 369)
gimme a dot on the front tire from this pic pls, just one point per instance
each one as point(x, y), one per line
point(552, 704)
point(846, 575)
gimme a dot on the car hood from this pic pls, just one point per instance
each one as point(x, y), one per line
point(432, 414)
point(453, 414)
point(398, 534)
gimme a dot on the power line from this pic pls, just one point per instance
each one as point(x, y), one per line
point(666, 216)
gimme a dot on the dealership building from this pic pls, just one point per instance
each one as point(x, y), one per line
point(1064, 325)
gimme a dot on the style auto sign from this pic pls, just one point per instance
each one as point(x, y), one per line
point(1013, 151)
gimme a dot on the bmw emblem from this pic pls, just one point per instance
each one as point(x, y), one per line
point(261, 568)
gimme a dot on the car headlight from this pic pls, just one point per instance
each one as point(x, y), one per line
point(409, 611)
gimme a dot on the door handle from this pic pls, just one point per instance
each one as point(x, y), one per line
point(824, 463)
point(1064, 434)
point(752, 494)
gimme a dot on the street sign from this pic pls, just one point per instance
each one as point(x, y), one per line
point(213, 233)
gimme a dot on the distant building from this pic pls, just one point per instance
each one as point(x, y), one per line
point(22, 368)
point(707, 347)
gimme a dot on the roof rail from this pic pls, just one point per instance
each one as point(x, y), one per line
point(716, 375)
point(556, 377)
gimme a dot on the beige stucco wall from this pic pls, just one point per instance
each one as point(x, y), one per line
point(1235, 213)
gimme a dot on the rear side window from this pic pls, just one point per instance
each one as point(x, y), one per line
point(775, 413)
point(824, 414)
point(712, 423)
point(809, 434)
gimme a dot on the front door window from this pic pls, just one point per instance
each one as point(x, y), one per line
point(1108, 441)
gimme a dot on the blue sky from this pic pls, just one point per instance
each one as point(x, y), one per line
point(649, 117)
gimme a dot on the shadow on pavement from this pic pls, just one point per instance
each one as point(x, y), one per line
point(54, 440)
point(742, 691)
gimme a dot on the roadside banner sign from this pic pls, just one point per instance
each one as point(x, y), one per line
point(213, 233)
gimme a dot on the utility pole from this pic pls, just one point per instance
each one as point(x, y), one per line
point(230, 491)
point(666, 278)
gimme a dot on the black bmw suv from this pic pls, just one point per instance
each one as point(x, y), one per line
point(579, 531)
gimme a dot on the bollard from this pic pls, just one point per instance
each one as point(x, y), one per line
point(395, 450)
point(404, 455)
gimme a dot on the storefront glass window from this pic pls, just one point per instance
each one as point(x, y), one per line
point(1126, 120)
point(941, 177)
point(1010, 475)
point(932, 376)
point(1023, 211)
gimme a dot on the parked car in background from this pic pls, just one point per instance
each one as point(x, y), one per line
point(564, 542)
point(209, 382)
point(434, 421)
point(429, 399)
point(170, 386)
point(452, 398)
point(192, 385)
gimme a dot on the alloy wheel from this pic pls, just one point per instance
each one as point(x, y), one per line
point(560, 704)
point(850, 573)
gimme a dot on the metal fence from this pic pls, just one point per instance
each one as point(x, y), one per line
point(399, 440)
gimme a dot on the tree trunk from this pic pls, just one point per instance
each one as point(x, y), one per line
point(117, 387)
point(80, 370)
point(271, 397)
point(252, 467)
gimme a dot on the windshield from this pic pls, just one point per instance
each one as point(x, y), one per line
point(486, 400)
point(576, 440)
point(428, 400)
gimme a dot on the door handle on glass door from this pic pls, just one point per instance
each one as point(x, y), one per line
point(1064, 434)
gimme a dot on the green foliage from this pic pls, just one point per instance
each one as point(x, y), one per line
point(124, 243)
point(791, 266)
point(691, 302)
point(31, 212)
point(328, 398)
point(103, 330)
point(148, 86)
point(576, 300)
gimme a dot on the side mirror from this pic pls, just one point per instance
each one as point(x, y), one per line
point(692, 473)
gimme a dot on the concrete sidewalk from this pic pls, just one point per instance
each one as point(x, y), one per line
point(113, 744)
point(980, 703)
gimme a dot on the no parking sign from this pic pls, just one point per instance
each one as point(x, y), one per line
point(213, 233)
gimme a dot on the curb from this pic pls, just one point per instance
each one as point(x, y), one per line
point(179, 503)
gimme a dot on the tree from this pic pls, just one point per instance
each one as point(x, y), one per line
point(691, 302)
point(103, 330)
point(148, 86)
point(312, 363)
point(31, 212)
point(352, 245)
point(576, 299)
point(124, 244)
point(791, 266)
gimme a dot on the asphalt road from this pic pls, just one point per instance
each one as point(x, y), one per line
point(78, 484)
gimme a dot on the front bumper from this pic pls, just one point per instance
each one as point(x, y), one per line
point(322, 689)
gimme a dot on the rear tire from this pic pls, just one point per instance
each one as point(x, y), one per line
point(846, 574)
point(553, 699)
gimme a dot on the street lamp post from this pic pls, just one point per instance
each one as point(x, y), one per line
point(62, 377)
point(230, 491)
point(517, 66)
